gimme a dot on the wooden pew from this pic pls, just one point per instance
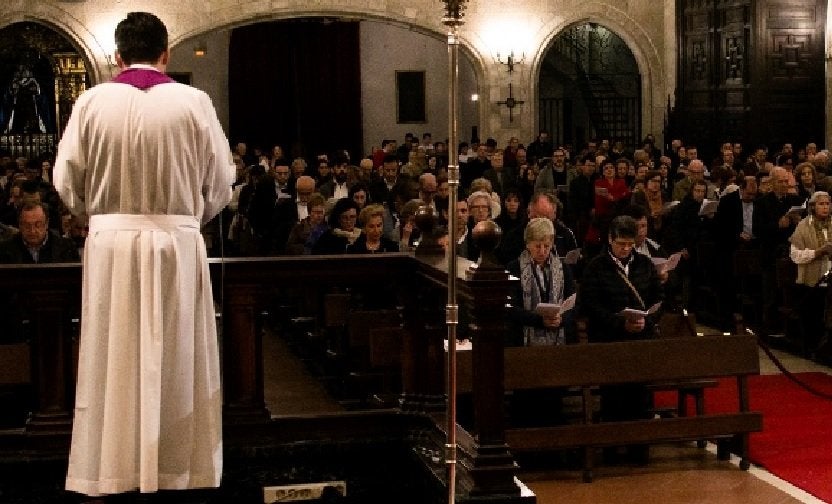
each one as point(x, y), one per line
point(661, 360)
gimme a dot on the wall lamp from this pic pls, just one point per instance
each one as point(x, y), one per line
point(510, 60)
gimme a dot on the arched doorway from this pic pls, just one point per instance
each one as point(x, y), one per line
point(590, 88)
point(41, 75)
point(385, 50)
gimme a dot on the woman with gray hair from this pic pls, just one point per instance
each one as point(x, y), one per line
point(811, 248)
point(543, 279)
point(479, 210)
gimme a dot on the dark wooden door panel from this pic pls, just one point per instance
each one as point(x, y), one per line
point(750, 71)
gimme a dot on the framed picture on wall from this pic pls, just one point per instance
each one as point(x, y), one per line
point(410, 97)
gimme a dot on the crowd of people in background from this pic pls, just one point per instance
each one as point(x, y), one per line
point(590, 226)
point(706, 210)
point(333, 203)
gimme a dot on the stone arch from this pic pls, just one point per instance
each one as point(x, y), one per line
point(646, 54)
point(90, 48)
point(416, 19)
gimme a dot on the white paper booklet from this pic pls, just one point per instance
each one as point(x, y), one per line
point(552, 309)
point(798, 208)
point(634, 313)
point(461, 345)
point(572, 256)
point(666, 265)
point(708, 207)
point(602, 191)
point(670, 205)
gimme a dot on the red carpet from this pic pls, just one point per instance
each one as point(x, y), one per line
point(796, 441)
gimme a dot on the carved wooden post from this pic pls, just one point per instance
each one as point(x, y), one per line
point(424, 324)
point(423, 356)
point(242, 354)
point(491, 467)
point(50, 321)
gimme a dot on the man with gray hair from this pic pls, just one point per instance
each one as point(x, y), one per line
point(427, 189)
point(821, 162)
point(773, 224)
point(542, 204)
point(695, 172)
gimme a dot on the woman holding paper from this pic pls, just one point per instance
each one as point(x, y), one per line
point(620, 296)
point(539, 311)
point(811, 248)
point(617, 279)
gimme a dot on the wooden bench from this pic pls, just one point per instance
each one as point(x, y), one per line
point(650, 361)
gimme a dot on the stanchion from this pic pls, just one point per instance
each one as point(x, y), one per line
point(453, 19)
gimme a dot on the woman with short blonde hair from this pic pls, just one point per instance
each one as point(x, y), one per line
point(372, 239)
point(543, 279)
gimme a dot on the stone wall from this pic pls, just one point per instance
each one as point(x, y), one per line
point(523, 26)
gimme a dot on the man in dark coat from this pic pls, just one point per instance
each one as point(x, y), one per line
point(35, 243)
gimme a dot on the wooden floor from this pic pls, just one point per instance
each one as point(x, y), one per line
point(677, 474)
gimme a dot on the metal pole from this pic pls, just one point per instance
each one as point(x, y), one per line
point(453, 20)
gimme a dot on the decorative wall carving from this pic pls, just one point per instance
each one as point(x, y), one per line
point(748, 69)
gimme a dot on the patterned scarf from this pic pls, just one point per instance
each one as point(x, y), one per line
point(820, 226)
point(532, 296)
point(351, 236)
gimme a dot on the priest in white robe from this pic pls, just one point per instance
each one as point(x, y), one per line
point(147, 160)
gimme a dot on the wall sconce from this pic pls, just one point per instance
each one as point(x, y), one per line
point(510, 60)
point(475, 97)
point(200, 50)
point(111, 60)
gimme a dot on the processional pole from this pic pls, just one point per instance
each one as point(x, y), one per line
point(453, 19)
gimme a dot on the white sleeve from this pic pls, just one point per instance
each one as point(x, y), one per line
point(69, 172)
point(220, 169)
point(801, 256)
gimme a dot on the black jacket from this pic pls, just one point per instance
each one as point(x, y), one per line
point(602, 294)
point(57, 249)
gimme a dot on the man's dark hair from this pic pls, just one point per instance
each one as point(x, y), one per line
point(30, 187)
point(141, 37)
point(623, 226)
point(341, 206)
point(32, 205)
point(358, 187)
point(390, 158)
point(742, 181)
point(637, 212)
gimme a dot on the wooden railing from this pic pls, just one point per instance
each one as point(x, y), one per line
point(51, 297)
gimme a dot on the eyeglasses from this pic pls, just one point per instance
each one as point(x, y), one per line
point(479, 207)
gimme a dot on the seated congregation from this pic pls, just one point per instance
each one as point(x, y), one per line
point(751, 235)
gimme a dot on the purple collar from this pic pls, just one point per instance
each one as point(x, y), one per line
point(142, 78)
